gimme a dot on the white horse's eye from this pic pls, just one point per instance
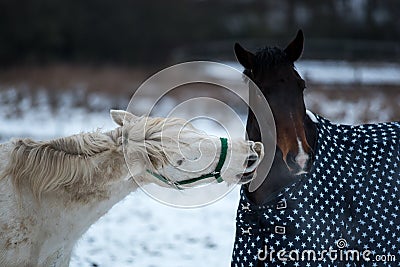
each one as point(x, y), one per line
point(179, 162)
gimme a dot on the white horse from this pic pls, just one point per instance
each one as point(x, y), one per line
point(52, 191)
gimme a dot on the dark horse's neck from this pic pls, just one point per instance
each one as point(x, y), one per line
point(279, 175)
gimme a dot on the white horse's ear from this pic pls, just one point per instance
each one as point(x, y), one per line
point(121, 116)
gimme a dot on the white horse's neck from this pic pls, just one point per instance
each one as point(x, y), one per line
point(58, 220)
point(67, 224)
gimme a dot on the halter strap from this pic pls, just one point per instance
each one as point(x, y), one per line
point(216, 173)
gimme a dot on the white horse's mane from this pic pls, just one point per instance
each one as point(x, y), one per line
point(46, 166)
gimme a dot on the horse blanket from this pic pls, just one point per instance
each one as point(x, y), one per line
point(344, 212)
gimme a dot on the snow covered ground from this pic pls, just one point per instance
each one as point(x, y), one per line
point(140, 231)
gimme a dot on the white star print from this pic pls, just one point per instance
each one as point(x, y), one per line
point(352, 192)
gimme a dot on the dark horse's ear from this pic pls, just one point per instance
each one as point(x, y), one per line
point(295, 48)
point(244, 57)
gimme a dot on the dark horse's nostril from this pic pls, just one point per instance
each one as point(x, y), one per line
point(251, 160)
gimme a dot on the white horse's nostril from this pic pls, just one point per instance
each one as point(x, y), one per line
point(251, 144)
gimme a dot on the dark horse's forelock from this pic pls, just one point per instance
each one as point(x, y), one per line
point(269, 58)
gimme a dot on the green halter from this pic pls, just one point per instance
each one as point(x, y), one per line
point(216, 173)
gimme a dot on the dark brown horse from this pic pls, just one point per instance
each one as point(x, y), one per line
point(331, 186)
point(272, 70)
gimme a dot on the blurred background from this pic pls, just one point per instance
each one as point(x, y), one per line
point(64, 64)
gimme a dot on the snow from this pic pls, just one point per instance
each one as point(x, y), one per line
point(340, 72)
point(139, 231)
point(142, 232)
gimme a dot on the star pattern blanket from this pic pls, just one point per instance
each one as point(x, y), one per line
point(344, 212)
